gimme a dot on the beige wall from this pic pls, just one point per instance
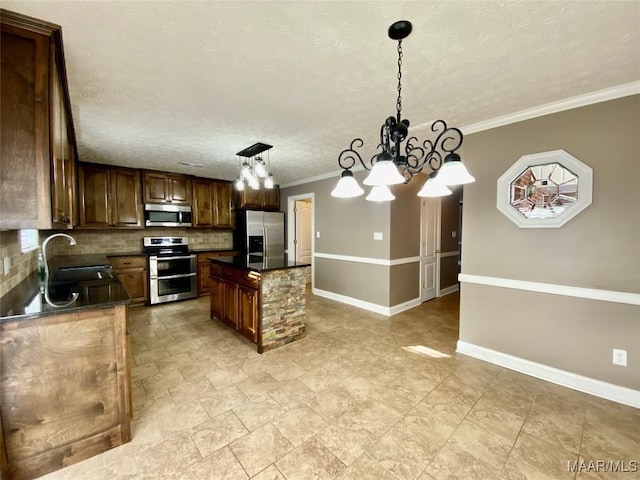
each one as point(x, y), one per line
point(597, 249)
point(346, 228)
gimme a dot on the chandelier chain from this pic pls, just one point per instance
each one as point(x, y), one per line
point(399, 101)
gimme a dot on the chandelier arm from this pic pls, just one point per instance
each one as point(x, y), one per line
point(347, 158)
point(449, 139)
point(415, 155)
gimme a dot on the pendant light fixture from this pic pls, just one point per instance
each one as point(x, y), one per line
point(398, 163)
point(254, 169)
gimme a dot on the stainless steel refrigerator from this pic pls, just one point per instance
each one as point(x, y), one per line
point(260, 233)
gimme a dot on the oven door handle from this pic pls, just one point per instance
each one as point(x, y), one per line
point(171, 277)
point(181, 257)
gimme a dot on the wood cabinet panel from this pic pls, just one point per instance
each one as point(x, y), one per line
point(126, 201)
point(230, 303)
point(224, 208)
point(94, 190)
point(235, 299)
point(132, 272)
point(64, 392)
point(259, 199)
point(171, 188)
point(206, 269)
point(203, 204)
point(109, 197)
point(37, 147)
point(248, 312)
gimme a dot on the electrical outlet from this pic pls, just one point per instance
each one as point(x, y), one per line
point(377, 236)
point(620, 357)
point(454, 234)
point(6, 264)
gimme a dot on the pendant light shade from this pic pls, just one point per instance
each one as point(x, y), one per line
point(380, 193)
point(453, 172)
point(433, 188)
point(384, 172)
point(347, 186)
point(268, 182)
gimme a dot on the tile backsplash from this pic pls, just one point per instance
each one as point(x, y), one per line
point(127, 241)
point(95, 241)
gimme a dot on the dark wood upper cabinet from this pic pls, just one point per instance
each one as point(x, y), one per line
point(212, 205)
point(259, 199)
point(37, 138)
point(170, 188)
point(109, 196)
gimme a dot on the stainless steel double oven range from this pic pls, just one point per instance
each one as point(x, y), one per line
point(172, 269)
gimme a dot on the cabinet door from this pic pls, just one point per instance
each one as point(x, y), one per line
point(134, 281)
point(249, 198)
point(202, 209)
point(223, 201)
point(271, 199)
point(230, 295)
point(126, 204)
point(94, 187)
point(156, 188)
point(203, 278)
point(248, 312)
point(217, 297)
point(60, 203)
point(179, 189)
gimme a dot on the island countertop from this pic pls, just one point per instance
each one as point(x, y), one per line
point(256, 263)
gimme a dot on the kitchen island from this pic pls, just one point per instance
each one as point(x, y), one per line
point(64, 369)
point(262, 299)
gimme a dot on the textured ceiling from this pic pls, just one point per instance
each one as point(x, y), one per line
point(153, 84)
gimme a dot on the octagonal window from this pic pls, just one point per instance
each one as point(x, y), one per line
point(544, 191)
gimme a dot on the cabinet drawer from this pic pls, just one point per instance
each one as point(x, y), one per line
point(128, 262)
point(248, 279)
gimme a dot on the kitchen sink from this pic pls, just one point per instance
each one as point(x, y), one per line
point(82, 274)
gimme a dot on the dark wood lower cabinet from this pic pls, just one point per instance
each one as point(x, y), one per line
point(203, 268)
point(235, 300)
point(65, 389)
point(132, 272)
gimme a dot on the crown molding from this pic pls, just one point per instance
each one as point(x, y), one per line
point(625, 90)
point(611, 93)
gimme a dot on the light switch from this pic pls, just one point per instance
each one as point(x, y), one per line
point(377, 235)
point(6, 264)
point(318, 234)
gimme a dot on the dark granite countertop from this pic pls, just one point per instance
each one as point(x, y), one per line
point(34, 297)
point(205, 250)
point(258, 264)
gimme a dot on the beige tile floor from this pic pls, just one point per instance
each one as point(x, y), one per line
point(350, 402)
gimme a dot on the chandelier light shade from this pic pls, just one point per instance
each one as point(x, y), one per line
point(434, 188)
point(400, 157)
point(380, 193)
point(347, 186)
point(253, 168)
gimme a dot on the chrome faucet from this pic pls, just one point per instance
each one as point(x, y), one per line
point(43, 249)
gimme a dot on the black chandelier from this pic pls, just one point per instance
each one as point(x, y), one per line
point(393, 164)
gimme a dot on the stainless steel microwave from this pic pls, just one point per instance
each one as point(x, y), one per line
point(167, 215)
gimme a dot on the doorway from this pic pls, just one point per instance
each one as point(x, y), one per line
point(430, 211)
point(300, 230)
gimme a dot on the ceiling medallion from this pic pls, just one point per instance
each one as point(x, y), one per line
point(396, 164)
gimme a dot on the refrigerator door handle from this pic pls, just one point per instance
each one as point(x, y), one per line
point(266, 241)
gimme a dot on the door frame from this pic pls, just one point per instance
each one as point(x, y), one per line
point(291, 228)
point(438, 211)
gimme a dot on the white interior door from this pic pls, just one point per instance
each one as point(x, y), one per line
point(429, 248)
point(303, 236)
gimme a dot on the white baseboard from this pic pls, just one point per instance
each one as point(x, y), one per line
point(448, 290)
point(588, 385)
point(372, 307)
